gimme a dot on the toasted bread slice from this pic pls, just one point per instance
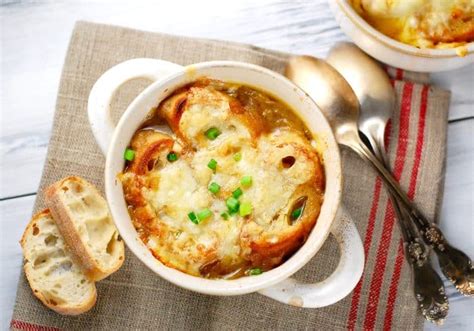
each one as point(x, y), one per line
point(84, 220)
point(150, 148)
point(201, 106)
point(270, 240)
point(55, 277)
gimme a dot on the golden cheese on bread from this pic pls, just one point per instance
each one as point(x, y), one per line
point(236, 188)
point(421, 23)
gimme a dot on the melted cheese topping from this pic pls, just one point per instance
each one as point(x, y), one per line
point(421, 23)
point(182, 187)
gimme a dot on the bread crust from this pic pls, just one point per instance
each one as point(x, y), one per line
point(66, 226)
point(149, 146)
point(61, 309)
point(267, 253)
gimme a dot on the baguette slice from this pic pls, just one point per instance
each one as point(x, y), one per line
point(84, 220)
point(55, 277)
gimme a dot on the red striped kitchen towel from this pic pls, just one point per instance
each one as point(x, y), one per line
point(135, 298)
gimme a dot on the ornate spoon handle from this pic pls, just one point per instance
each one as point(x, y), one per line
point(428, 286)
point(456, 265)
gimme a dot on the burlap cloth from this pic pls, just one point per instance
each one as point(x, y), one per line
point(136, 298)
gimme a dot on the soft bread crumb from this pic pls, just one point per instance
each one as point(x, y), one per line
point(54, 276)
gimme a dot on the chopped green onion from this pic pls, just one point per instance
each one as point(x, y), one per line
point(129, 154)
point(246, 181)
point(212, 164)
point(237, 193)
point(255, 271)
point(225, 216)
point(214, 187)
point(245, 209)
point(296, 213)
point(203, 214)
point(233, 205)
point(172, 156)
point(237, 157)
point(212, 133)
point(192, 216)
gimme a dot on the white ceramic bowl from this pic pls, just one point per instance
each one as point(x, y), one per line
point(274, 283)
point(393, 52)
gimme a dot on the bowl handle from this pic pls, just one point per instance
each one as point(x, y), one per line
point(341, 282)
point(102, 92)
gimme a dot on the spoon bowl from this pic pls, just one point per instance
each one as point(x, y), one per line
point(330, 91)
point(372, 87)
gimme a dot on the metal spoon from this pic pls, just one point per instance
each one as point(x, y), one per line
point(377, 101)
point(338, 102)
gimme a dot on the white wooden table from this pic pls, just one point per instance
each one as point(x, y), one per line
point(34, 39)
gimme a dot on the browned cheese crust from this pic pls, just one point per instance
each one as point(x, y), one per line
point(287, 173)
